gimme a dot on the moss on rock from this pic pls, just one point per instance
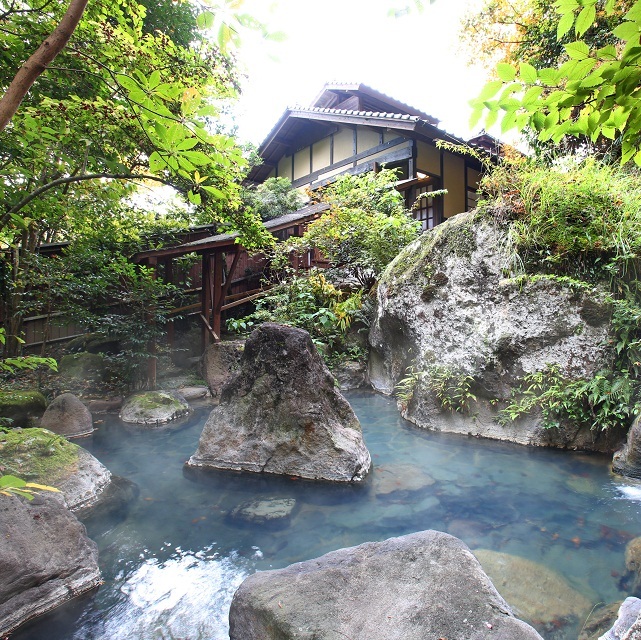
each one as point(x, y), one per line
point(37, 455)
point(21, 406)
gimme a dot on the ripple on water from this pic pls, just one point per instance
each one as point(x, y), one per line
point(185, 596)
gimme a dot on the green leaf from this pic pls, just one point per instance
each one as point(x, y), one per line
point(531, 95)
point(505, 71)
point(489, 90)
point(194, 198)
point(10, 481)
point(527, 73)
point(205, 20)
point(585, 19)
point(565, 24)
point(549, 77)
point(154, 79)
point(626, 31)
point(577, 50)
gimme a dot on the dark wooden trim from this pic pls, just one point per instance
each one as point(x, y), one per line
point(331, 150)
point(400, 141)
point(218, 295)
point(209, 329)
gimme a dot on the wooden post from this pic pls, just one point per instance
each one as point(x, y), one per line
point(169, 278)
point(219, 294)
point(152, 360)
point(206, 297)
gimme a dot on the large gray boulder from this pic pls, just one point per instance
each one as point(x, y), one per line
point(46, 559)
point(283, 414)
point(424, 585)
point(67, 416)
point(446, 310)
point(627, 461)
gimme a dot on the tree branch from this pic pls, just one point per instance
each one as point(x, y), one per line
point(78, 178)
point(38, 61)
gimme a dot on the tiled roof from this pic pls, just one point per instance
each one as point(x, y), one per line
point(350, 112)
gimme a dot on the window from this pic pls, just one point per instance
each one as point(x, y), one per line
point(424, 209)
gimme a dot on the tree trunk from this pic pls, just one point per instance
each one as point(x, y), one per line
point(38, 62)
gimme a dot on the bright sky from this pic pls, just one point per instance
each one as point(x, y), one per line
point(412, 58)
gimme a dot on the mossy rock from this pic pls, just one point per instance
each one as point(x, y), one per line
point(37, 455)
point(154, 407)
point(21, 407)
point(83, 366)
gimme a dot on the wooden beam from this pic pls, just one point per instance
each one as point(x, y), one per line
point(213, 334)
point(237, 303)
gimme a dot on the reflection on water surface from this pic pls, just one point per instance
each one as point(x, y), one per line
point(173, 558)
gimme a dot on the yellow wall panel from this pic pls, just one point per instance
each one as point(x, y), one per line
point(321, 154)
point(285, 167)
point(428, 159)
point(366, 139)
point(343, 144)
point(301, 163)
point(454, 182)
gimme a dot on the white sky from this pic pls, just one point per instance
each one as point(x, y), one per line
point(412, 58)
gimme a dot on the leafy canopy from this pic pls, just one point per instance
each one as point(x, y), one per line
point(594, 93)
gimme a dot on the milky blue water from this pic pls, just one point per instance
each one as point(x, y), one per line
point(172, 560)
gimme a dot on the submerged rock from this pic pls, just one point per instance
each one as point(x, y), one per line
point(274, 512)
point(534, 592)
point(221, 361)
point(627, 461)
point(424, 585)
point(67, 416)
point(446, 312)
point(46, 559)
point(154, 407)
point(282, 414)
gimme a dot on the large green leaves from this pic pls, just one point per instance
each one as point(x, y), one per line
point(595, 93)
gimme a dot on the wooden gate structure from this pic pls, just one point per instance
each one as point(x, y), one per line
point(221, 259)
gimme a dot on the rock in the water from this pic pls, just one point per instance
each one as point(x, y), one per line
point(40, 456)
point(282, 414)
point(446, 312)
point(627, 461)
point(628, 623)
point(350, 375)
point(154, 407)
point(221, 361)
point(22, 407)
point(633, 566)
point(46, 559)
point(85, 483)
point(193, 393)
point(105, 405)
point(67, 416)
point(534, 592)
point(426, 585)
point(400, 477)
point(274, 512)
